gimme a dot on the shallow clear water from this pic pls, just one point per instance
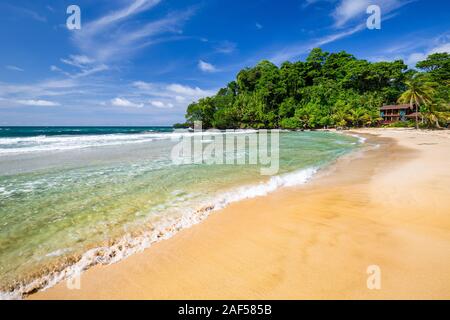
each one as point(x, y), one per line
point(64, 191)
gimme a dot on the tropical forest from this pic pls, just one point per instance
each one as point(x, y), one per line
point(327, 90)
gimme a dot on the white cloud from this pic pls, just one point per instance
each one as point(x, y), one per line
point(296, 50)
point(188, 91)
point(54, 68)
point(445, 47)
point(167, 96)
point(226, 47)
point(105, 42)
point(137, 6)
point(111, 37)
point(143, 85)
point(412, 59)
point(413, 51)
point(307, 3)
point(39, 103)
point(26, 13)
point(38, 89)
point(206, 67)
point(86, 65)
point(87, 72)
point(158, 104)
point(14, 68)
point(121, 102)
point(349, 10)
point(79, 61)
point(161, 105)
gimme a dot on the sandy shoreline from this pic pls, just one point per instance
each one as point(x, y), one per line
point(388, 207)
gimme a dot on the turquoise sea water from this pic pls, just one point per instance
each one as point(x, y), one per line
point(74, 197)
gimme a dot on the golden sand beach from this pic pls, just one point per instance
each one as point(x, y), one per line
point(388, 206)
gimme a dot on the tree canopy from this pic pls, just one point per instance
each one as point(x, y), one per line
point(327, 89)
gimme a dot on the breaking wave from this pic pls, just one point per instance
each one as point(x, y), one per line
point(128, 245)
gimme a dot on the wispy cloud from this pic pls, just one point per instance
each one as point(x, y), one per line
point(345, 25)
point(415, 57)
point(171, 90)
point(38, 89)
point(161, 96)
point(111, 38)
point(44, 93)
point(84, 65)
point(38, 103)
point(121, 102)
point(308, 3)
point(225, 47)
point(194, 92)
point(107, 21)
point(14, 68)
point(438, 44)
point(414, 51)
point(161, 105)
point(26, 13)
point(58, 69)
point(206, 67)
point(296, 50)
point(174, 95)
point(79, 61)
point(348, 11)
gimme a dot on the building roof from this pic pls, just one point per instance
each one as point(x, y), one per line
point(396, 107)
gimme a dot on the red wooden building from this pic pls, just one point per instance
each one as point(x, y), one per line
point(394, 113)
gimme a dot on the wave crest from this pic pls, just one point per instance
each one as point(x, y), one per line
point(129, 244)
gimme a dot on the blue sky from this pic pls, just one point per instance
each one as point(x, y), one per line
point(141, 62)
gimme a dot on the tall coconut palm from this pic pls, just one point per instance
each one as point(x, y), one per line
point(419, 92)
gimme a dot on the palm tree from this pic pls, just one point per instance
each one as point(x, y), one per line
point(359, 117)
point(438, 111)
point(420, 92)
point(373, 116)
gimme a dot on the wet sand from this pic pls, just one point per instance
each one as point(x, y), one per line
point(388, 207)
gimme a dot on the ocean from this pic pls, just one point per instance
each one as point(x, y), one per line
point(73, 197)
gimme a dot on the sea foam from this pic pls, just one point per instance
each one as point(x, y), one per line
point(19, 145)
point(162, 230)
